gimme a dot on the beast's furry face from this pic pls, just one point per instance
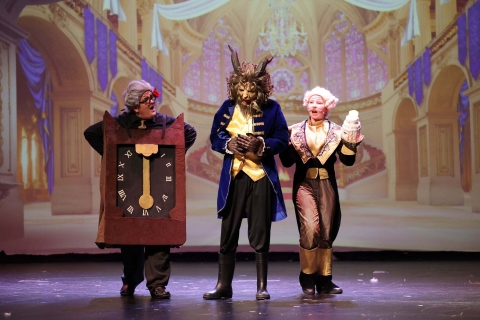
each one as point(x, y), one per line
point(247, 89)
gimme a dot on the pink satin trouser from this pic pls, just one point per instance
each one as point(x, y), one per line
point(315, 203)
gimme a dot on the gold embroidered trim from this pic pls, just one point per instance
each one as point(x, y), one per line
point(226, 116)
point(258, 115)
point(259, 124)
point(222, 123)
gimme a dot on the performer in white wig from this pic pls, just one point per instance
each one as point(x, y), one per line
point(314, 146)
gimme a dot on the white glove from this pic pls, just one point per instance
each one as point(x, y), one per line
point(351, 128)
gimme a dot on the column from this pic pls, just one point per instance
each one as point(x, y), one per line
point(76, 179)
point(145, 9)
point(393, 52)
point(444, 14)
point(423, 9)
point(129, 29)
point(439, 167)
point(474, 96)
point(175, 60)
point(11, 206)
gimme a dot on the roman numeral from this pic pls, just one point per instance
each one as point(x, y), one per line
point(158, 208)
point(122, 194)
point(120, 164)
point(164, 197)
point(130, 209)
point(145, 212)
point(167, 178)
point(120, 177)
point(168, 164)
point(128, 154)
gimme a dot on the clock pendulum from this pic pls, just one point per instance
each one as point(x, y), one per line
point(146, 200)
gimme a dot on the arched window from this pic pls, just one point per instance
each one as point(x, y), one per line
point(352, 70)
point(204, 79)
point(289, 75)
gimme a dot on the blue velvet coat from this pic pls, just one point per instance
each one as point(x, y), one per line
point(272, 127)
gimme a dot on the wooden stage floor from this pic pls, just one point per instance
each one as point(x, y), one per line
point(372, 290)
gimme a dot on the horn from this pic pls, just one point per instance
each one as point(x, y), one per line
point(260, 70)
point(235, 62)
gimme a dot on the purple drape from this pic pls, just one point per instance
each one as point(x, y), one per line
point(102, 54)
point(39, 84)
point(152, 77)
point(113, 53)
point(418, 81)
point(144, 70)
point(463, 108)
point(114, 106)
point(89, 29)
point(159, 87)
point(462, 38)
point(427, 68)
point(474, 38)
point(411, 80)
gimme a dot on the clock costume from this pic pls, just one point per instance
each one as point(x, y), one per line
point(249, 129)
point(314, 146)
point(155, 259)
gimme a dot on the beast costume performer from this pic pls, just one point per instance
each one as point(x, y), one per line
point(139, 98)
point(249, 129)
point(314, 146)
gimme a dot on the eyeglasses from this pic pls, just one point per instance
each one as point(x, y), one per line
point(147, 99)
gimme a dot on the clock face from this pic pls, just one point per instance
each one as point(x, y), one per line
point(134, 174)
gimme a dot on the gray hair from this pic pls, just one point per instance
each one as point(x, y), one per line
point(135, 89)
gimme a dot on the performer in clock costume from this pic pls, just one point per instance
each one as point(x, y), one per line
point(314, 146)
point(249, 129)
point(140, 113)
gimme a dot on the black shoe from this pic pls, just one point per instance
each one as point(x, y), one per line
point(326, 286)
point(307, 282)
point(160, 293)
point(127, 289)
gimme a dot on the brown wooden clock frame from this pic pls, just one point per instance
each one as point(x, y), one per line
point(124, 230)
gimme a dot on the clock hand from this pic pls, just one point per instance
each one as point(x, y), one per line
point(146, 200)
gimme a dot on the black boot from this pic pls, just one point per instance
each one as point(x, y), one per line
point(308, 267)
point(307, 282)
point(326, 286)
point(262, 271)
point(223, 289)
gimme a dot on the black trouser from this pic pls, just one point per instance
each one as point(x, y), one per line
point(155, 259)
point(254, 198)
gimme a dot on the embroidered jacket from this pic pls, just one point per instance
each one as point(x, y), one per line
point(270, 124)
point(299, 153)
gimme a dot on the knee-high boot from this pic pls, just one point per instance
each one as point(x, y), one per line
point(324, 274)
point(262, 272)
point(226, 268)
point(308, 266)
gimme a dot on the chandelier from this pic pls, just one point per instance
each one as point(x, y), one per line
point(282, 36)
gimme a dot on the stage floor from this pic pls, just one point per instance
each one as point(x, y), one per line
point(372, 290)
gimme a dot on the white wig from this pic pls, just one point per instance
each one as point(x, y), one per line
point(135, 89)
point(329, 99)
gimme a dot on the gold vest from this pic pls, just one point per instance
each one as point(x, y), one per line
point(250, 163)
